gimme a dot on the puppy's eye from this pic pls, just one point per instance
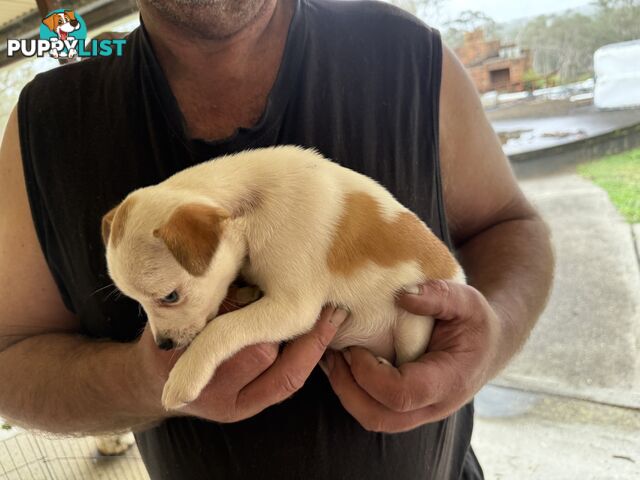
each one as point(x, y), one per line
point(173, 297)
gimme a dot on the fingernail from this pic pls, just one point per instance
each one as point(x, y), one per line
point(338, 317)
point(415, 290)
point(347, 356)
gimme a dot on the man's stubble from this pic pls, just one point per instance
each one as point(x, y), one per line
point(209, 19)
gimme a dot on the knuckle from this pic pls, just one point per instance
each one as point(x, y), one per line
point(400, 401)
point(291, 382)
point(441, 288)
point(263, 354)
point(477, 307)
point(474, 295)
point(458, 384)
point(321, 341)
point(374, 423)
point(227, 414)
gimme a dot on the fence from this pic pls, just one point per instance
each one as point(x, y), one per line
point(24, 456)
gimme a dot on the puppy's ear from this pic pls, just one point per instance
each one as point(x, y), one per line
point(51, 21)
point(107, 221)
point(192, 235)
point(70, 14)
point(114, 221)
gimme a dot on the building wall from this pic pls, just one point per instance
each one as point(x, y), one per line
point(481, 57)
point(475, 48)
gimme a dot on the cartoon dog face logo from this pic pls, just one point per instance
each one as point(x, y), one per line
point(62, 24)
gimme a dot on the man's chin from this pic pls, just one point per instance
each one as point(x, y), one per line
point(209, 19)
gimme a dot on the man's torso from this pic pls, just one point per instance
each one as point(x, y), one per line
point(360, 83)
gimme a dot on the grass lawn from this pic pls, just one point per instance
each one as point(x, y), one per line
point(619, 175)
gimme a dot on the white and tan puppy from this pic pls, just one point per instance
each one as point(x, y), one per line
point(305, 230)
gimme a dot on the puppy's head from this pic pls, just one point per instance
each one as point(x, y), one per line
point(175, 257)
point(64, 22)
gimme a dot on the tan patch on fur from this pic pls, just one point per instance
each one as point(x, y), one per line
point(192, 235)
point(364, 235)
point(114, 221)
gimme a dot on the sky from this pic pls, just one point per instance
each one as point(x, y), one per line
point(505, 10)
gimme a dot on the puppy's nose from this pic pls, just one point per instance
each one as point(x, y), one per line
point(165, 343)
point(73, 22)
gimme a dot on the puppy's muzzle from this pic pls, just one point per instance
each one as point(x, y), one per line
point(165, 343)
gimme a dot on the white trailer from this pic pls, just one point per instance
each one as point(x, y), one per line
point(617, 69)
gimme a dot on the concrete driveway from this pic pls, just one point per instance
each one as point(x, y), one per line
point(568, 406)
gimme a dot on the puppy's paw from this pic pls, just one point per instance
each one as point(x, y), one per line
point(177, 394)
point(109, 445)
point(186, 381)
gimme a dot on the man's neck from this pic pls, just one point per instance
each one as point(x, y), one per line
point(182, 52)
point(211, 77)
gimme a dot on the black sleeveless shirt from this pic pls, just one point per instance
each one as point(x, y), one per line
point(360, 82)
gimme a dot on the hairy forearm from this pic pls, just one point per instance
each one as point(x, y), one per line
point(511, 263)
point(69, 384)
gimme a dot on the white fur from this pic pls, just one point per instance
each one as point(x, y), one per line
point(286, 240)
point(116, 444)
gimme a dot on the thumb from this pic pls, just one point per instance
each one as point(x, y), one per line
point(440, 299)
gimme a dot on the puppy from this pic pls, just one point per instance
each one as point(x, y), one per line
point(305, 230)
point(62, 24)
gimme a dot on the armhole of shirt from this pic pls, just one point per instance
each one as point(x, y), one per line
point(38, 208)
point(436, 69)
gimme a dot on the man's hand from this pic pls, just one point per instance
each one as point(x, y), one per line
point(460, 359)
point(250, 381)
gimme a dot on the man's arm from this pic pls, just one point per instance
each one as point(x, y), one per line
point(501, 241)
point(52, 379)
point(55, 380)
point(505, 250)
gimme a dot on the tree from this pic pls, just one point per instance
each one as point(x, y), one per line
point(618, 20)
point(468, 21)
point(427, 10)
point(566, 43)
point(561, 43)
